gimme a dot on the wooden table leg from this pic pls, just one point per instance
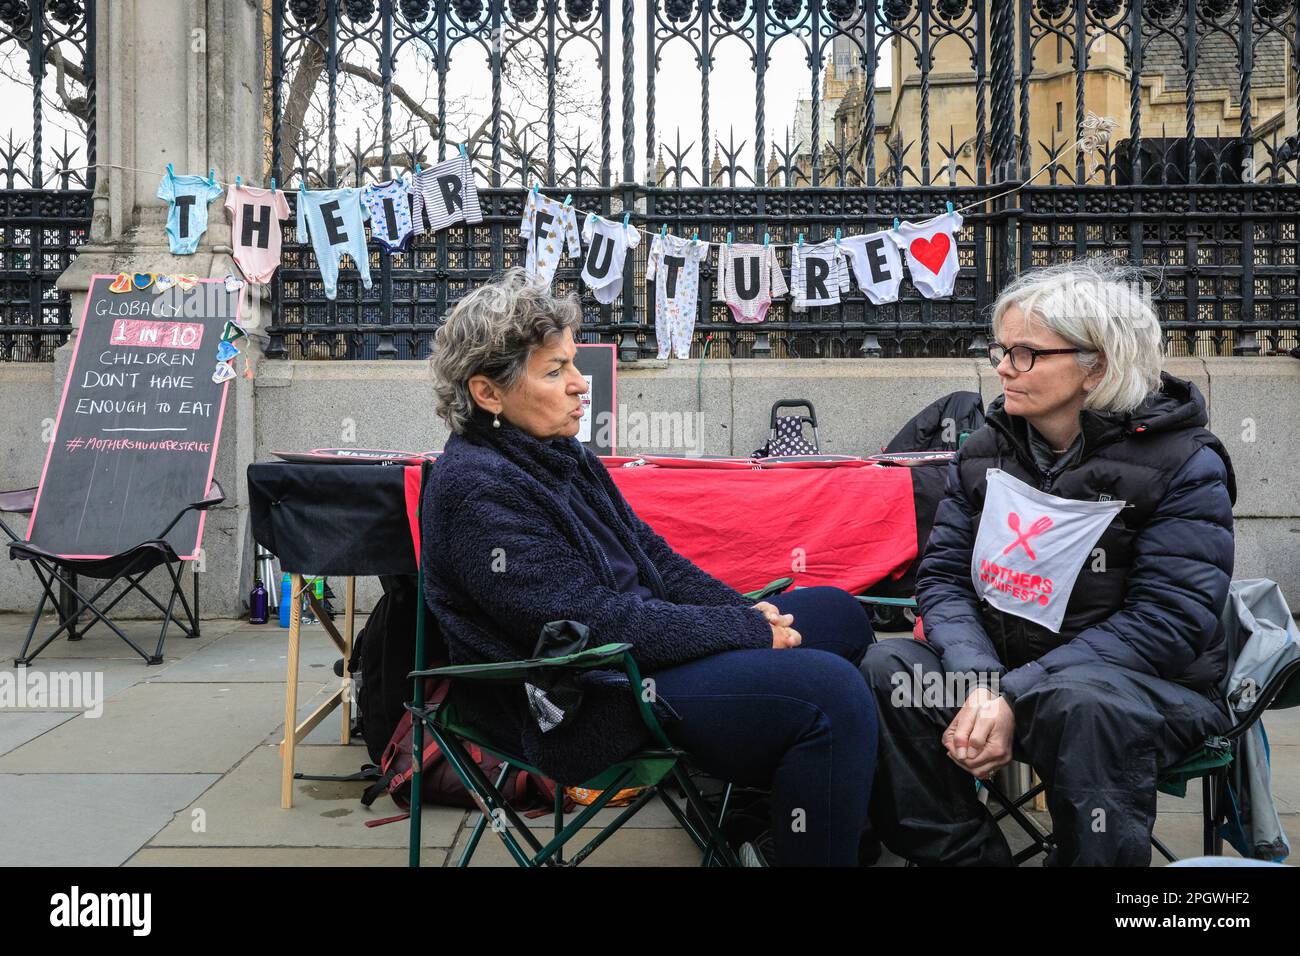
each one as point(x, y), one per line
point(350, 590)
point(291, 694)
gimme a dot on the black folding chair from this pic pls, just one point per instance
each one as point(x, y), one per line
point(130, 566)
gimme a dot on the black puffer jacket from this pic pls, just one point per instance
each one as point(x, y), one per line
point(1154, 605)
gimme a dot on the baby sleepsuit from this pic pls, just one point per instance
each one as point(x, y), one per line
point(876, 265)
point(445, 194)
point(931, 249)
point(187, 216)
point(388, 206)
point(548, 227)
point(818, 274)
point(676, 264)
point(607, 246)
point(750, 276)
point(255, 216)
point(335, 218)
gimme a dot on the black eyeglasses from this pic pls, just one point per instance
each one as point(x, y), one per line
point(1022, 356)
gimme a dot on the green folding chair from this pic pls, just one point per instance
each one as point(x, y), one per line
point(651, 768)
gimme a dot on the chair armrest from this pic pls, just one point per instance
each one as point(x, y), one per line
point(774, 587)
point(18, 502)
point(594, 658)
point(887, 601)
point(215, 496)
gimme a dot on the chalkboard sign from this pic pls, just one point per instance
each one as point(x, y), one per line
point(598, 428)
point(135, 440)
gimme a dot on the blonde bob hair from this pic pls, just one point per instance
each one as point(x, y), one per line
point(1104, 307)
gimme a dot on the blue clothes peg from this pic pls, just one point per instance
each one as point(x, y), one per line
point(462, 149)
point(728, 238)
point(272, 185)
point(626, 216)
point(895, 222)
point(663, 230)
point(766, 237)
point(417, 169)
point(212, 175)
point(239, 181)
point(950, 208)
point(801, 238)
point(696, 236)
point(568, 199)
point(837, 235)
point(171, 172)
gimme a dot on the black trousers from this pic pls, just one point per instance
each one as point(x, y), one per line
point(1097, 735)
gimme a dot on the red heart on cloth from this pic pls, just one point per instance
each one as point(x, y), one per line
point(931, 252)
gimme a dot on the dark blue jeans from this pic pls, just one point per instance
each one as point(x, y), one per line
point(799, 722)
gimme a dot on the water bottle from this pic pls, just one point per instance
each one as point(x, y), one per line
point(286, 596)
point(257, 603)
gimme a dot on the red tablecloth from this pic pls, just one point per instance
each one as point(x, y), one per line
point(845, 526)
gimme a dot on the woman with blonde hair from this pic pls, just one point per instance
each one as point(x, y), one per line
point(1071, 589)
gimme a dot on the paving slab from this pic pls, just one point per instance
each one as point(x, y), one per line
point(313, 856)
point(102, 644)
point(627, 847)
point(89, 819)
point(114, 674)
point(243, 810)
point(257, 654)
point(163, 728)
point(17, 728)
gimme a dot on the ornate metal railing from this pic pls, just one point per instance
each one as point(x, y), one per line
point(45, 190)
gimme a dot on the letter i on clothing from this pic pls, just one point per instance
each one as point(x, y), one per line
point(675, 264)
point(336, 219)
point(549, 227)
point(751, 278)
point(187, 215)
point(255, 216)
point(388, 206)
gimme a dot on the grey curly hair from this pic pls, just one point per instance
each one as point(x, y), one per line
point(492, 331)
point(1103, 306)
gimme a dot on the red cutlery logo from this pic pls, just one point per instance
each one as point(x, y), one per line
point(1022, 538)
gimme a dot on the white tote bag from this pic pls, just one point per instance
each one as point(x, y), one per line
point(1031, 547)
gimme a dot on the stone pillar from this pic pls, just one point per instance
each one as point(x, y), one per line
point(181, 83)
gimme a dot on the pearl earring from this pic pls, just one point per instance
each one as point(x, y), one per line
point(496, 421)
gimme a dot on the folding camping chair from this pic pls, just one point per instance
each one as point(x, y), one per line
point(130, 566)
point(1213, 763)
point(785, 434)
point(651, 768)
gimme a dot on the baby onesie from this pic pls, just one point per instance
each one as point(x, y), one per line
point(751, 277)
point(336, 218)
point(931, 250)
point(676, 262)
point(255, 216)
point(187, 216)
point(876, 265)
point(388, 206)
point(445, 194)
point(607, 246)
point(818, 274)
point(548, 227)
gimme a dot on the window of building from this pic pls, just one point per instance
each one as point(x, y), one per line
point(1060, 118)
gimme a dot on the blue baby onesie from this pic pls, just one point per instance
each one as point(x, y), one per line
point(388, 205)
point(187, 217)
point(336, 218)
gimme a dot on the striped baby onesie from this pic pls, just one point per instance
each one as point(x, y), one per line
point(444, 195)
point(818, 274)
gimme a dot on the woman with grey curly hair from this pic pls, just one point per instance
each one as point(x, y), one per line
point(522, 526)
point(1073, 581)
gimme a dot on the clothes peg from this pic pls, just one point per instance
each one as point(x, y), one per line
point(728, 238)
point(766, 237)
point(171, 172)
point(696, 236)
point(212, 175)
point(568, 199)
point(239, 181)
point(801, 238)
point(663, 230)
point(462, 149)
point(837, 235)
point(950, 208)
point(895, 222)
point(626, 217)
point(417, 169)
point(272, 185)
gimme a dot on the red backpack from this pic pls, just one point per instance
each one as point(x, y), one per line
point(528, 793)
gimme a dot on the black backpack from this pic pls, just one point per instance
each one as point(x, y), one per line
point(384, 655)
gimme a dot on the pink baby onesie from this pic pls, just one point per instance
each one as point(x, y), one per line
point(255, 216)
point(751, 277)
